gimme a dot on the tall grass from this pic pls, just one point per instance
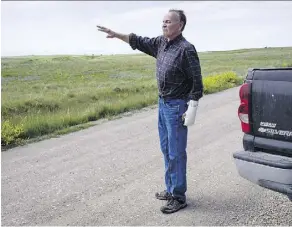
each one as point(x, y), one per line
point(45, 94)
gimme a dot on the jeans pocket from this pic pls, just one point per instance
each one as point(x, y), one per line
point(172, 104)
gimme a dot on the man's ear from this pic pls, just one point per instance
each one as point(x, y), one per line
point(181, 25)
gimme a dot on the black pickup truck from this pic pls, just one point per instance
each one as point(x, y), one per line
point(265, 113)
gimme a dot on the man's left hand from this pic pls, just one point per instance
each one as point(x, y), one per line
point(190, 115)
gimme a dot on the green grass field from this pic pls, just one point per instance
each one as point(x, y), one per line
point(48, 94)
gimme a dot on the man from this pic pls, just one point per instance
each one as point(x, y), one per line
point(180, 87)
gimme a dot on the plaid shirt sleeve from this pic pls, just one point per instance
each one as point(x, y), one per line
point(146, 45)
point(192, 69)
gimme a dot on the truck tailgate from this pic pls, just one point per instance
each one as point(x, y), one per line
point(272, 104)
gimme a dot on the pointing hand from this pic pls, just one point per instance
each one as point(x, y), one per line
point(110, 33)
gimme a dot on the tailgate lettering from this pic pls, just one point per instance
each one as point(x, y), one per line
point(268, 124)
point(275, 132)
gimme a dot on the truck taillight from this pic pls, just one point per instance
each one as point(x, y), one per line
point(243, 108)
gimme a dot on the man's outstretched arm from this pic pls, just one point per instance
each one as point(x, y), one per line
point(146, 45)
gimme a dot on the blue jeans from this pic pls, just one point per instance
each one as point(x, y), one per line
point(173, 143)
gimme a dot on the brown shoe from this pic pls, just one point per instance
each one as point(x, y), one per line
point(172, 206)
point(164, 195)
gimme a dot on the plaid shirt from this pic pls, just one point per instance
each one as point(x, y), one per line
point(178, 68)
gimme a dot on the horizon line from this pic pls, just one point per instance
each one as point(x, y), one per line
point(208, 51)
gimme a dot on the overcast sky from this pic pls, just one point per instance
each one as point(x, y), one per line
point(69, 27)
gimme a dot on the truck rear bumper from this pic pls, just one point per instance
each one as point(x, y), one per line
point(266, 170)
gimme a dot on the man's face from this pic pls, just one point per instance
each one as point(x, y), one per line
point(171, 25)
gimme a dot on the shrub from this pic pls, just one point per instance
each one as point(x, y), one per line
point(287, 64)
point(10, 133)
point(220, 82)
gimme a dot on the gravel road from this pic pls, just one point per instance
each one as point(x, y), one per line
point(108, 175)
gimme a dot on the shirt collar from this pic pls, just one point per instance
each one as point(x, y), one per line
point(176, 39)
